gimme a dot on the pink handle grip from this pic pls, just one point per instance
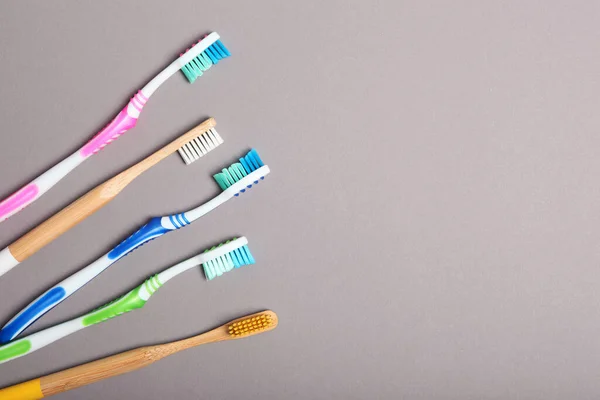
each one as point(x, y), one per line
point(19, 200)
point(118, 126)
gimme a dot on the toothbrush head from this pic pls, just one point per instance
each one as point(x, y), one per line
point(200, 146)
point(226, 256)
point(202, 55)
point(253, 324)
point(241, 176)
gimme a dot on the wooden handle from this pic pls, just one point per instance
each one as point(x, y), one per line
point(138, 358)
point(120, 363)
point(172, 147)
point(101, 369)
point(62, 221)
point(96, 198)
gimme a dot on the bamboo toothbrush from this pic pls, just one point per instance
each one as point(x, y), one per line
point(132, 360)
point(191, 146)
point(233, 181)
point(215, 261)
point(197, 59)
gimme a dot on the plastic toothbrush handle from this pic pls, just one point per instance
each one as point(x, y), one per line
point(146, 233)
point(124, 121)
point(19, 200)
point(135, 299)
point(31, 313)
point(153, 229)
point(40, 185)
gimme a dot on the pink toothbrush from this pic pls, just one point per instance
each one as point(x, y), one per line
point(200, 57)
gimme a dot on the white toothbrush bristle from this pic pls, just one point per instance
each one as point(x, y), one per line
point(200, 146)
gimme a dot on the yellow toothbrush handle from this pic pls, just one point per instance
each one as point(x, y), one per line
point(30, 390)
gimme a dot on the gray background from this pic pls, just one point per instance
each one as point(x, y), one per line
point(430, 228)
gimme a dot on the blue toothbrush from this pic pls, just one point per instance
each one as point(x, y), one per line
point(233, 181)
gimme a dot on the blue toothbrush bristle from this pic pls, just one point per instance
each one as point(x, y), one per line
point(234, 259)
point(251, 161)
point(203, 61)
point(248, 164)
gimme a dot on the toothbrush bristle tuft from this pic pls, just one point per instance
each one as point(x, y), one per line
point(203, 61)
point(200, 146)
point(248, 164)
point(234, 259)
point(251, 325)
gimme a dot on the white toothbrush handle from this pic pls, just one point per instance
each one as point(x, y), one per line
point(52, 297)
point(7, 261)
point(229, 193)
point(125, 120)
point(157, 226)
point(35, 189)
point(37, 340)
point(132, 300)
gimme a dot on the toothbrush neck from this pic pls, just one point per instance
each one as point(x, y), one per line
point(159, 79)
point(210, 205)
point(177, 269)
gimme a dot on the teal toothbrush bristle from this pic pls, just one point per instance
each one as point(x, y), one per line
point(228, 176)
point(234, 259)
point(203, 61)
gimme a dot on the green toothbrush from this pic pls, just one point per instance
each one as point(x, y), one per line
point(215, 262)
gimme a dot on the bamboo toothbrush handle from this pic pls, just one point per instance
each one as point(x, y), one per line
point(64, 220)
point(132, 360)
point(85, 374)
point(119, 364)
point(101, 369)
point(122, 363)
point(95, 199)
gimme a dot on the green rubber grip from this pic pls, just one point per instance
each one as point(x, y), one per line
point(15, 349)
point(124, 304)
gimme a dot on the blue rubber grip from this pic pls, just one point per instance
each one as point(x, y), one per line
point(151, 230)
point(35, 310)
